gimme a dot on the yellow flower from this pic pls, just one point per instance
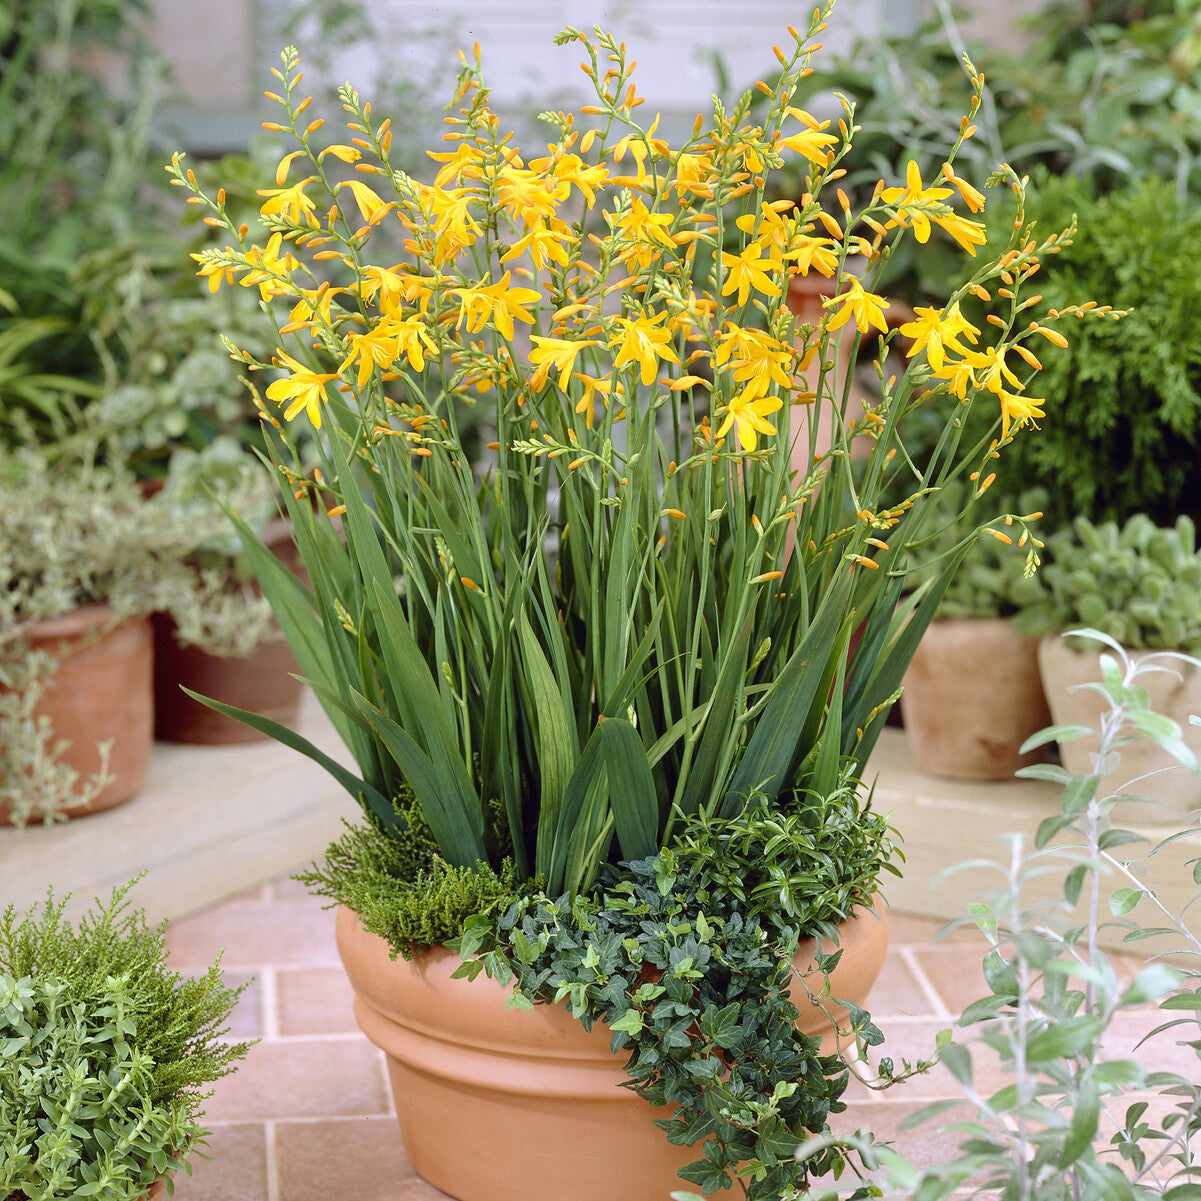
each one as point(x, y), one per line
point(758, 359)
point(557, 353)
point(290, 203)
point(1018, 408)
point(463, 162)
point(693, 172)
point(498, 303)
point(528, 196)
point(936, 331)
point(270, 270)
point(914, 202)
point(866, 307)
point(573, 171)
point(215, 273)
point(814, 254)
point(969, 234)
point(748, 415)
point(454, 227)
point(545, 244)
point(594, 388)
point(374, 209)
point(645, 233)
point(645, 342)
point(810, 142)
point(304, 388)
point(749, 270)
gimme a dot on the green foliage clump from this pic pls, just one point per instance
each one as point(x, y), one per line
point(687, 958)
point(1138, 583)
point(995, 579)
point(402, 887)
point(1122, 433)
point(104, 1054)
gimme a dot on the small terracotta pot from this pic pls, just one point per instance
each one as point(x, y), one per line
point(101, 690)
point(971, 696)
point(262, 682)
point(524, 1104)
point(1173, 791)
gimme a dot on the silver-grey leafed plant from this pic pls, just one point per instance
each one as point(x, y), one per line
point(1074, 1123)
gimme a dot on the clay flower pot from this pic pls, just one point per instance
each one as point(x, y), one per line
point(524, 1104)
point(971, 696)
point(100, 691)
point(1173, 790)
point(262, 682)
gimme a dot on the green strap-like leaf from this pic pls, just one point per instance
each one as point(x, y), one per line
point(364, 793)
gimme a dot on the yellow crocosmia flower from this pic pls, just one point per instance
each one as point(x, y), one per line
point(414, 341)
point(958, 374)
point(557, 354)
point(388, 283)
point(936, 331)
point(770, 227)
point(748, 415)
point(638, 151)
point(973, 198)
point(810, 142)
point(499, 303)
point(449, 214)
point(345, 154)
point(374, 209)
point(545, 244)
point(693, 173)
point(758, 359)
point(215, 273)
point(464, 161)
point(866, 307)
point(993, 372)
point(1018, 409)
point(529, 196)
point(570, 169)
point(915, 204)
point(750, 271)
point(813, 254)
point(969, 234)
point(269, 270)
point(291, 204)
point(314, 302)
point(304, 388)
point(750, 147)
point(644, 341)
point(594, 388)
point(378, 347)
point(646, 234)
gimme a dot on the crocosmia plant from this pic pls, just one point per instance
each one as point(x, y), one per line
point(661, 590)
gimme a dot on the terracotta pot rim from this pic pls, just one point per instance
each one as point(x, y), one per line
point(82, 617)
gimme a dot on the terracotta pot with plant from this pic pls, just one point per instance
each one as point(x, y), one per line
point(86, 558)
point(1140, 585)
point(972, 695)
point(607, 710)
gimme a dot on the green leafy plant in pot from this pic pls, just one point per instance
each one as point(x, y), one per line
point(1140, 585)
point(106, 1054)
point(640, 634)
point(972, 694)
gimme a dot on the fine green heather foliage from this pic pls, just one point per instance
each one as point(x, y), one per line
point(402, 887)
point(1137, 583)
point(1075, 1122)
point(104, 1054)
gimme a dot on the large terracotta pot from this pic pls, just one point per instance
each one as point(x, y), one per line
point(262, 682)
point(971, 696)
point(524, 1104)
point(100, 691)
point(1174, 791)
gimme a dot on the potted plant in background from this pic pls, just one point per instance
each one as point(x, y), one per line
point(86, 558)
point(106, 1054)
point(972, 695)
point(1140, 585)
point(641, 646)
